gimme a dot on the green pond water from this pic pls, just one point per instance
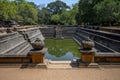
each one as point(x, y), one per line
point(62, 49)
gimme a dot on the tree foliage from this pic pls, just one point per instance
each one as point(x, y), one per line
point(98, 12)
point(28, 13)
point(68, 16)
point(87, 12)
point(18, 10)
point(60, 14)
point(57, 7)
point(44, 16)
point(8, 10)
point(108, 11)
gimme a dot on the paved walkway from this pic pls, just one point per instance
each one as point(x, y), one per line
point(60, 74)
point(61, 65)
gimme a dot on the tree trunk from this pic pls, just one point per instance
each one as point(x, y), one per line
point(110, 23)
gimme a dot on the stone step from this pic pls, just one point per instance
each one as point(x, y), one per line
point(10, 65)
point(110, 66)
point(24, 50)
point(89, 65)
point(62, 64)
point(10, 42)
point(22, 65)
point(11, 48)
point(31, 65)
point(93, 65)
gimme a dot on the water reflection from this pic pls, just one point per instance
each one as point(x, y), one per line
point(65, 49)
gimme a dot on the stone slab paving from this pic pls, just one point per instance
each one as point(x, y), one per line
point(60, 74)
point(61, 65)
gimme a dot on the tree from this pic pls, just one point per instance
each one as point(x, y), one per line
point(86, 13)
point(108, 11)
point(98, 12)
point(73, 13)
point(18, 10)
point(27, 12)
point(55, 19)
point(8, 10)
point(44, 16)
point(56, 7)
point(68, 16)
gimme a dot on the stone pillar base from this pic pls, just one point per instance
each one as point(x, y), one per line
point(38, 56)
point(87, 56)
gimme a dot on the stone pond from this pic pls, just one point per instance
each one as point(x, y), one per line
point(62, 49)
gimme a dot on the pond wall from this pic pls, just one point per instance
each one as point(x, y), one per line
point(64, 31)
point(106, 44)
point(15, 46)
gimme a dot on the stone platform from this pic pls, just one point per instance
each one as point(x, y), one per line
point(15, 46)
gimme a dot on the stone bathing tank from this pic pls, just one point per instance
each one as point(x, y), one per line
point(20, 47)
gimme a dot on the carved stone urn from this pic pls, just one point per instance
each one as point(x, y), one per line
point(38, 44)
point(87, 44)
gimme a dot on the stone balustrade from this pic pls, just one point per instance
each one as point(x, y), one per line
point(15, 46)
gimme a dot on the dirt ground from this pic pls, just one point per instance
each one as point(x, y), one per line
point(60, 74)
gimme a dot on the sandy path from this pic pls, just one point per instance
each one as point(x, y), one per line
point(63, 74)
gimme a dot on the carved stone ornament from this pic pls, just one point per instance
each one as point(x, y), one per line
point(87, 44)
point(38, 44)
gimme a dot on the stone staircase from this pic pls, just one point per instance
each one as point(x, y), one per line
point(13, 46)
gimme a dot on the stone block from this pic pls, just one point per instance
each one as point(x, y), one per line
point(31, 34)
point(38, 56)
point(87, 56)
point(13, 45)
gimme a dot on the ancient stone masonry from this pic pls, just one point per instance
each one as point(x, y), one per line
point(112, 29)
point(58, 31)
point(48, 32)
point(87, 51)
point(68, 31)
point(15, 46)
point(106, 44)
point(38, 51)
point(31, 34)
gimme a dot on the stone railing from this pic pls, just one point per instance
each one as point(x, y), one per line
point(31, 34)
point(4, 30)
point(16, 45)
point(107, 46)
point(13, 44)
point(104, 42)
point(111, 29)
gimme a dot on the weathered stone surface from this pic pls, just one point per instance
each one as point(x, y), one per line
point(107, 45)
point(31, 34)
point(65, 31)
point(48, 32)
point(13, 45)
point(38, 44)
point(103, 41)
point(38, 56)
point(87, 44)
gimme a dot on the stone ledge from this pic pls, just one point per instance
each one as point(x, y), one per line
point(107, 54)
point(38, 51)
